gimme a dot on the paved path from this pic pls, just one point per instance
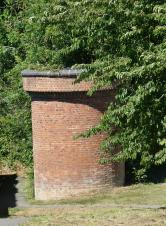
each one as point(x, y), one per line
point(19, 196)
point(13, 221)
point(62, 206)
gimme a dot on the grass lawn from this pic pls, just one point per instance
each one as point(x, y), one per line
point(94, 208)
point(142, 194)
point(95, 216)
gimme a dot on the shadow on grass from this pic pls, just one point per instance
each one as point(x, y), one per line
point(156, 174)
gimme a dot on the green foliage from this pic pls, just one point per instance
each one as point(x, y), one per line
point(15, 124)
point(28, 188)
point(120, 43)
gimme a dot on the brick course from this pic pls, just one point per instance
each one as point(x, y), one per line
point(64, 166)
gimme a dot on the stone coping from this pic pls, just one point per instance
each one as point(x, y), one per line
point(58, 81)
point(69, 73)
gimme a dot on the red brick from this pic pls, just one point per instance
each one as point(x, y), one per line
point(64, 166)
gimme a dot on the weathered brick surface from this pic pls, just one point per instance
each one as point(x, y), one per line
point(46, 84)
point(65, 166)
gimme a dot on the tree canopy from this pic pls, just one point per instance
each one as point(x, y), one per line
point(120, 43)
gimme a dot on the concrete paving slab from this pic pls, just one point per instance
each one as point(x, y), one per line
point(12, 221)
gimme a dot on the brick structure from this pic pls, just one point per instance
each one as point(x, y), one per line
point(64, 166)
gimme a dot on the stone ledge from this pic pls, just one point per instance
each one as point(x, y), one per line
point(60, 81)
point(62, 73)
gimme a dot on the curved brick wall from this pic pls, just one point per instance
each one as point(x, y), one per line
point(60, 109)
